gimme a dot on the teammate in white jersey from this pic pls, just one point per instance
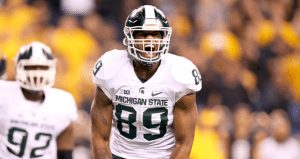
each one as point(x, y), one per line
point(144, 105)
point(35, 119)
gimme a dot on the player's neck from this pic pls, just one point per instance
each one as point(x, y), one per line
point(36, 96)
point(145, 72)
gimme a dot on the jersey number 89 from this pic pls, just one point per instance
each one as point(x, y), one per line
point(147, 121)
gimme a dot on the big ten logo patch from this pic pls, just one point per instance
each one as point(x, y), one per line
point(127, 92)
point(124, 91)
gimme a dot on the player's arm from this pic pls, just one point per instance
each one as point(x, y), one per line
point(101, 116)
point(185, 117)
point(65, 143)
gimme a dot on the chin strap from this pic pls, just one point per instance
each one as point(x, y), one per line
point(143, 63)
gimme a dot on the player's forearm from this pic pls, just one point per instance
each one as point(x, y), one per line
point(181, 151)
point(100, 143)
point(101, 155)
point(101, 151)
point(101, 126)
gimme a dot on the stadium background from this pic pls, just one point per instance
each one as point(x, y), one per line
point(246, 50)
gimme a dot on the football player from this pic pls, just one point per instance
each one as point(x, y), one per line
point(144, 105)
point(35, 119)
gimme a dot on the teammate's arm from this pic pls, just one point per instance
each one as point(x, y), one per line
point(101, 116)
point(185, 117)
point(65, 143)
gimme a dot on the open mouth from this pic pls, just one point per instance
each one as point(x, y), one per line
point(149, 48)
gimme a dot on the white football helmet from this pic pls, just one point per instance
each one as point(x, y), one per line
point(147, 18)
point(35, 66)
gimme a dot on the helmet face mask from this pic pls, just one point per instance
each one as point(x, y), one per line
point(35, 67)
point(147, 19)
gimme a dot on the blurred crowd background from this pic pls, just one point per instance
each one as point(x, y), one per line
point(248, 53)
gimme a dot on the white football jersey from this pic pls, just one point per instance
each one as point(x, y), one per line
point(143, 112)
point(29, 129)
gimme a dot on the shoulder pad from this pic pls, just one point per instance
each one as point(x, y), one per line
point(8, 86)
point(186, 73)
point(66, 99)
point(108, 65)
